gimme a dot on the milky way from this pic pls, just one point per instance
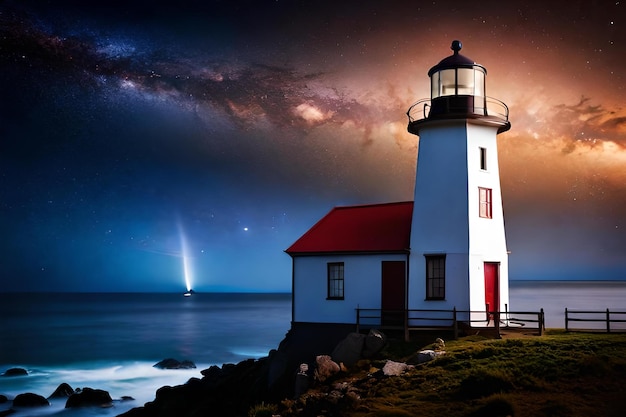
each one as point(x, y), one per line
point(249, 120)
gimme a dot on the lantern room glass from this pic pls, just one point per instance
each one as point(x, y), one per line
point(465, 82)
point(458, 81)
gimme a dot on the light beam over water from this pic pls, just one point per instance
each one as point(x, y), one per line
point(186, 258)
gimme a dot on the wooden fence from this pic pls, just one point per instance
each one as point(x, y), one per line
point(607, 317)
point(450, 320)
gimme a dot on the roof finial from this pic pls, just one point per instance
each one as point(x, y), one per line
point(456, 46)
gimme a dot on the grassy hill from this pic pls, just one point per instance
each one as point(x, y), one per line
point(557, 374)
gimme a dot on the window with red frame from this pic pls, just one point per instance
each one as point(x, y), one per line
point(484, 197)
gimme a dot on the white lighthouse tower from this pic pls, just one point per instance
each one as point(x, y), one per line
point(458, 247)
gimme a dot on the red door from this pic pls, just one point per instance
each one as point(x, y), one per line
point(393, 292)
point(492, 287)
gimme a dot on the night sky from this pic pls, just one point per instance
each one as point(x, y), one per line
point(131, 130)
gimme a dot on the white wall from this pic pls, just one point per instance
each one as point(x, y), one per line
point(446, 214)
point(440, 202)
point(362, 287)
point(487, 241)
point(440, 207)
point(457, 284)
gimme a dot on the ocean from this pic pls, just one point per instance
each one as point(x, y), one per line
point(111, 341)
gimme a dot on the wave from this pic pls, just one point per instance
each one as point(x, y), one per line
point(139, 380)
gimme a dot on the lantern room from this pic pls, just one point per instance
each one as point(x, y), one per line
point(457, 85)
point(457, 91)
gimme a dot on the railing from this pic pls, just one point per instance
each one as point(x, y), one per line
point(594, 317)
point(488, 107)
point(416, 319)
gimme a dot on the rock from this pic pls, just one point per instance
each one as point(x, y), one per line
point(89, 397)
point(374, 343)
point(439, 344)
point(3, 399)
point(349, 350)
point(15, 372)
point(277, 368)
point(213, 371)
point(425, 356)
point(326, 368)
point(63, 391)
point(127, 398)
point(392, 368)
point(30, 400)
point(428, 355)
point(302, 381)
point(170, 363)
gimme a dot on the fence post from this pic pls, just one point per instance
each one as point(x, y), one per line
point(406, 326)
point(566, 328)
point(496, 323)
point(541, 322)
point(455, 324)
point(358, 316)
point(506, 314)
point(608, 321)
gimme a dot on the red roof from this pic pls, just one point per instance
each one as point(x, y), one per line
point(369, 228)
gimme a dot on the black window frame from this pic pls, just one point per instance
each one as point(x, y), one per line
point(435, 277)
point(483, 158)
point(335, 281)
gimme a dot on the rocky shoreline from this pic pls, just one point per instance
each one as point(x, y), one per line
point(232, 389)
point(316, 372)
point(75, 398)
point(229, 390)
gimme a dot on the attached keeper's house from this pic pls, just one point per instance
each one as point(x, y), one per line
point(355, 256)
point(444, 251)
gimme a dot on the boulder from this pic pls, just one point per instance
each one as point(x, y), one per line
point(170, 363)
point(349, 350)
point(375, 341)
point(15, 372)
point(63, 391)
point(89, 397)
point(326, 368)
point(30, 400)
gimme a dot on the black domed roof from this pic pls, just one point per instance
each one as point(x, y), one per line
point(455, 60)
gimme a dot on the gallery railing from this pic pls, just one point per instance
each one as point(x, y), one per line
point(480, 106)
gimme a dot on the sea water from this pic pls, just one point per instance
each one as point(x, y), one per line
point(555, 296)
point(110, 341)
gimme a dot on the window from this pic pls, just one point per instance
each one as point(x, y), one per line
point(435, 277)
point(484, 197)
point(335, 281)
point(483, 158)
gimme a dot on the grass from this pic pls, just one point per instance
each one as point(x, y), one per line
point(557, 374)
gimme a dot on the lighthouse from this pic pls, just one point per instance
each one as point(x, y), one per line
point(408, 264)
point(458, 252)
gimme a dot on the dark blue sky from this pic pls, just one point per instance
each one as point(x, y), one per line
point(242, 123)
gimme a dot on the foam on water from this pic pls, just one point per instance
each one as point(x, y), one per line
point(139, 380)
